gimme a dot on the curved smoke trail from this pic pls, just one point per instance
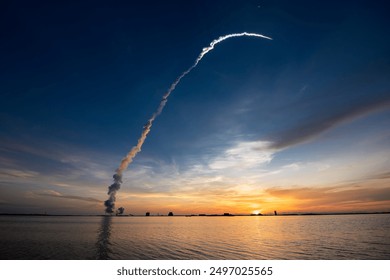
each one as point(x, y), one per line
point(112, 189)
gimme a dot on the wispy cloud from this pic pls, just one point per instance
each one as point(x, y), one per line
point(384, 175)
point(74, 175)
point(53, 161)
point(319, 123)
point(52, 193)
point(22, 174)
point(243, 155)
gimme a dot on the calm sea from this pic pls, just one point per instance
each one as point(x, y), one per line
point(261, 237)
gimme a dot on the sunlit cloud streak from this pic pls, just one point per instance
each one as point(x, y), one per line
point(17, 173)
point(361, 196)
point(56, 194)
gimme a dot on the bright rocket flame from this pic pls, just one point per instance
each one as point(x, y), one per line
point(112, 189)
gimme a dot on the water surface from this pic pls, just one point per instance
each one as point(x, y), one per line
point(260, 237)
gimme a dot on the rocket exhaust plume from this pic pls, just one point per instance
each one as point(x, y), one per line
point(112, 189)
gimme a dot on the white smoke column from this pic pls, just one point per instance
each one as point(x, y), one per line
point(110, 203)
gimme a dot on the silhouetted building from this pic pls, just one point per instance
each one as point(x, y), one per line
point(147, 214)
point(170, 214)
point(276, 213)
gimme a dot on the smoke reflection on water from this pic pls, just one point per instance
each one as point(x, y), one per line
point(103, 241)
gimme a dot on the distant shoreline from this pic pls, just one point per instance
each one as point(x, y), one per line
point(197, 215)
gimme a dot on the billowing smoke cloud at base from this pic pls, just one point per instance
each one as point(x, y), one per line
point(114, 188)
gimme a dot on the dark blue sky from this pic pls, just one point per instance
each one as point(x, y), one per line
point(80, 79)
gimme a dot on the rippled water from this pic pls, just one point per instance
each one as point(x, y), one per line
point(276, 237)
